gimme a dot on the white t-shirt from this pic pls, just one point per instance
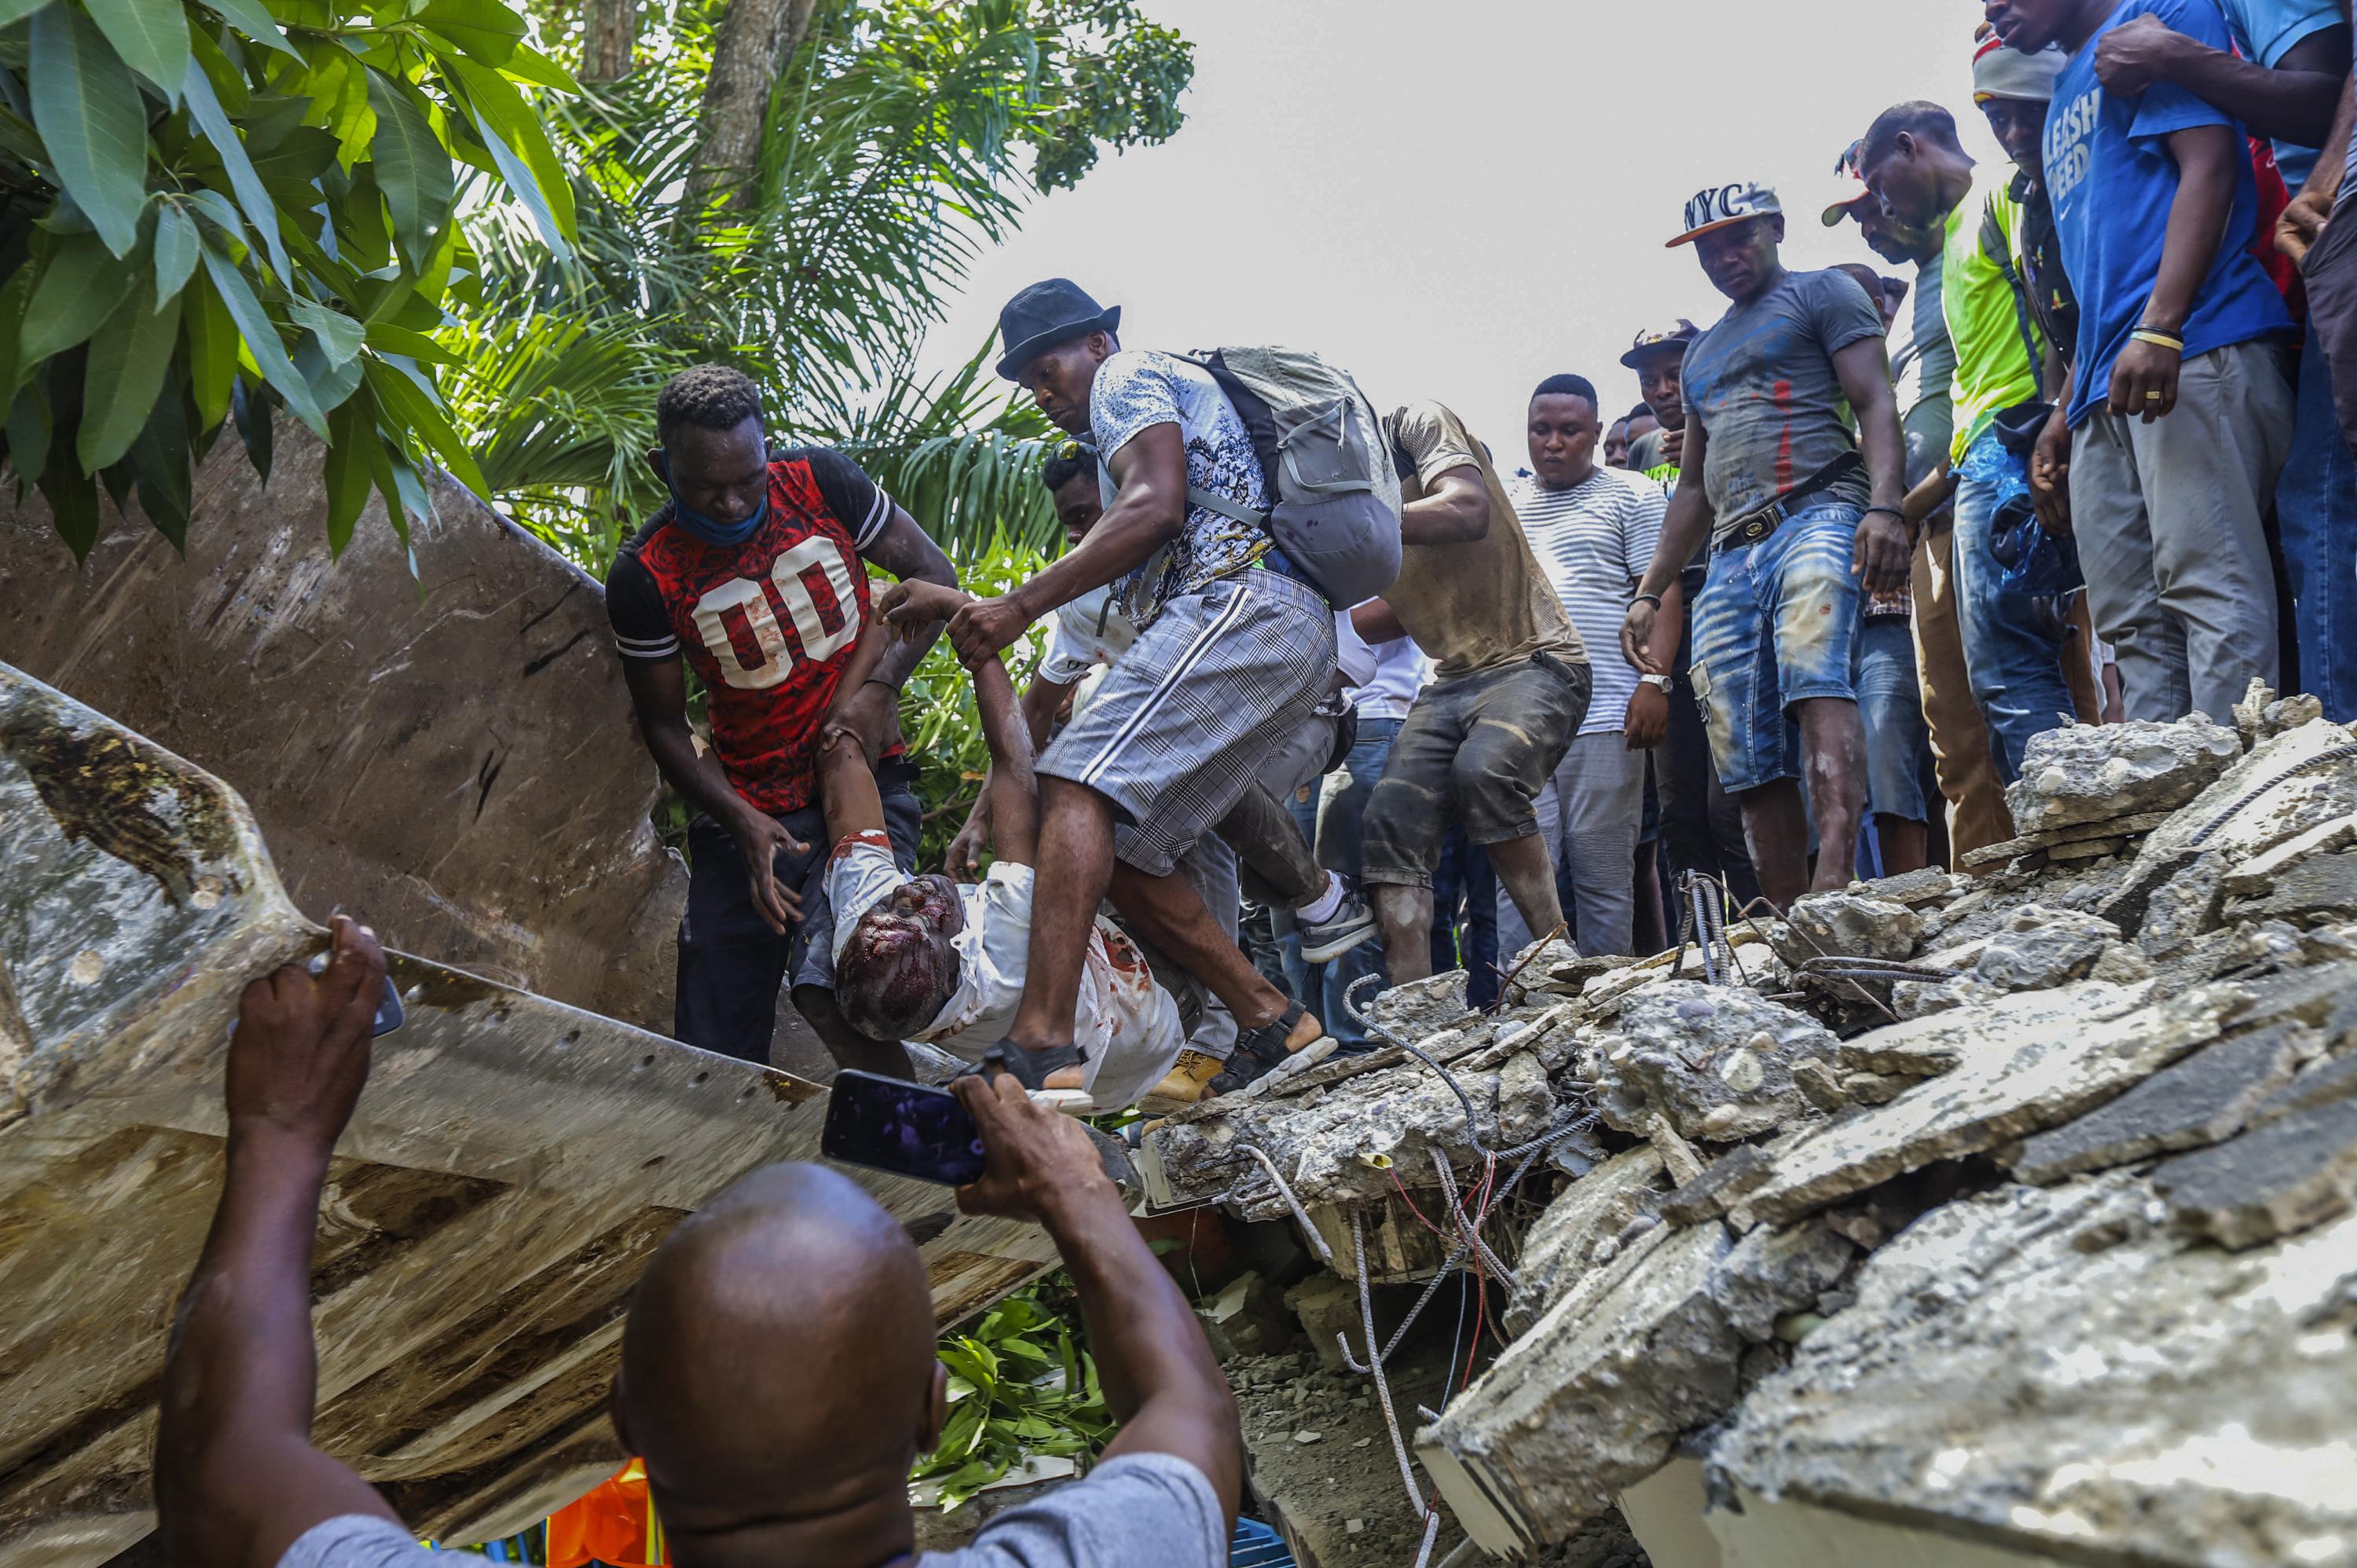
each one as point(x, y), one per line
point(1595, 541)
point(1126, 1025)
point(1389, 690)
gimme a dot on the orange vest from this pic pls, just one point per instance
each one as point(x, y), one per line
point(614, 1523)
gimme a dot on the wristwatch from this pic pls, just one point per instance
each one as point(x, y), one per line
point(1661, 683)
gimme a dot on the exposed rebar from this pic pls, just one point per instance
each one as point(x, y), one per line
point(1383, 1387)
point(1291, 1202)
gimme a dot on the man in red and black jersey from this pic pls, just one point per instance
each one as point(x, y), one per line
point(755, 574)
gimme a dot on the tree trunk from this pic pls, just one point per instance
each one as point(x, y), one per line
point(609, 33)
point(756, 38)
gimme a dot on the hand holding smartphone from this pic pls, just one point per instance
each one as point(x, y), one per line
point(905, 1129)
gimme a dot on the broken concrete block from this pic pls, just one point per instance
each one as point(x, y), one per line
point(2143, 1401)
point(2320, 885)
point(1715, 1061)
point(2260, 717)
point(2040, 948)
point(2186, 906)
point(1773, 1272)
point(1248, 1316)
point(2276, 1180)
point(2012, 1078)
point(1526, 1104)
point(1848, 925)
point(1324, 1306)
point(2260, 874)
point(2324, 1081)
point(1561, 1245)
point(1932, 885)
point(1590, 1400)
point(2200, 1100)
point(2093, 773)
point(1922, 1047)
point(1721, 1183)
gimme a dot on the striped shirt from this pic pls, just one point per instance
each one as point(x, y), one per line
point(1594, 542)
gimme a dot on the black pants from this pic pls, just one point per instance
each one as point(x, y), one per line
point(730, 963)
point(1702, 824)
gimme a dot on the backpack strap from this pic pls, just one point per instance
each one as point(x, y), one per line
point(1995, 246)
point(1225, 508)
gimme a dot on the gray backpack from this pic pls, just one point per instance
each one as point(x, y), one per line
point(1325, 459)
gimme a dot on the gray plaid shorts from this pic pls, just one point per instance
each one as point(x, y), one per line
point(1183, 722)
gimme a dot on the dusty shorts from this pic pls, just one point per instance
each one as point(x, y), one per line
point(1476, 749)
point(1776, 624)
point(1181, 724)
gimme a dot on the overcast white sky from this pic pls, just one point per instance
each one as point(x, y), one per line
point(1454, 199)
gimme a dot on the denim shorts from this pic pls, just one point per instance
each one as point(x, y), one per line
point(1776, 624)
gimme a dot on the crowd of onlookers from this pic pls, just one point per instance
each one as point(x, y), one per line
point(1798, 615)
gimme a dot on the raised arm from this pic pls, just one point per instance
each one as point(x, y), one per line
point(873, 707)
point(1013, 793)
point(1149, 509)
point(236, 1477)
point(1161, 1381)
point(845, 778)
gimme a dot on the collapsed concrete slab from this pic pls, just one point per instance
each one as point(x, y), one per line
point(2008, 1083)
point(2045, 1369)
point(1715, 1061)
point(510, 1167)
point(2098, 773)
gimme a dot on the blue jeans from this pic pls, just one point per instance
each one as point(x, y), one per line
point(2316, 507)
point(2014, 644)
point(1465, 915)
point(1330, 818)
point(1891, 706)
point(1776, 625)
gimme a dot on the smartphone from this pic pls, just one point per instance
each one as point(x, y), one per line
point(908, 1128)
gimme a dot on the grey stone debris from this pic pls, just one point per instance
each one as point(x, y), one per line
point(2047, 1371)
point(1850, 925)
point(2276, 1180)
point(1561, 1246)
point(2208, 1095)
point(1721, 1184)
point(2315, 887)
point(2035, 949)
point(1715, 1061)
point(2088, 773)
point(2323, 1083)
point(2011, 1080)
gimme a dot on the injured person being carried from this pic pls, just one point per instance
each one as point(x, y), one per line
point(924, 959)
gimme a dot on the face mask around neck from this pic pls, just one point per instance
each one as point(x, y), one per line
point(712, 530)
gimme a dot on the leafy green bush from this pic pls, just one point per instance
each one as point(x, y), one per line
point(1021, 1384)
point(219, 209)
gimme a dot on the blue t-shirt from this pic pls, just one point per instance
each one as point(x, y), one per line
point(2265, 31)
point(2109, 172)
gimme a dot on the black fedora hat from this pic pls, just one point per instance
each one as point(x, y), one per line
point(1045, 315)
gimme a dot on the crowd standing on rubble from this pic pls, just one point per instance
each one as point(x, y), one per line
point(1799, 616)
point(1795, 616)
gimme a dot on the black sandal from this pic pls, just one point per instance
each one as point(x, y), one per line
point(1259, 1052)
point(1030, 1068)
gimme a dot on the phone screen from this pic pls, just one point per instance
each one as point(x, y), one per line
point(908, 1128)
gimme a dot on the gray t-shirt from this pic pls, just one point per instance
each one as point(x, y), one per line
point(1140, 1508)
point(1762, 383)
point(1923, 373)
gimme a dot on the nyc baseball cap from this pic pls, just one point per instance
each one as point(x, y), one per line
point(1723, 205)
point(1655, 340)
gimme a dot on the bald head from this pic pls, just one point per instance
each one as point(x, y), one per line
point(777, 1365)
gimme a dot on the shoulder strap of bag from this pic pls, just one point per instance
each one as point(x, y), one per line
point(1995, 246)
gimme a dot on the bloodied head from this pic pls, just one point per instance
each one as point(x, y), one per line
point(900, 968)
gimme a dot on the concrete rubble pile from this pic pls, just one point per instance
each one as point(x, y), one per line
point(2000, 1219)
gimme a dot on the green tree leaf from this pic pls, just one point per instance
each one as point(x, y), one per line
point(403, 400)
point(520, 128)
point(528, 64)
point(253, 425)
point(29, 433)
point(260, 210)
point(127, 361)
point(412, 168)
point(330, 383)
point(161, 457)
point(387, 338)
point(250, 17)
point(87, 106)
point(152, 36)
point(175, 250)
point(78, 288)
point(340, 335)
point(262, 339)
point(486, 30)
point(351, 430)
point(73, 506)
point(12, 11)
point(212, 352)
